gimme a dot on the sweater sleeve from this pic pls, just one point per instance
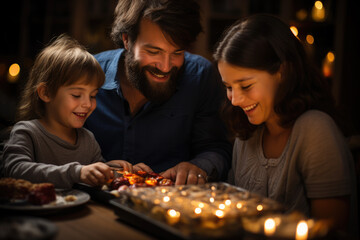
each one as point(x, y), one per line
point(19, 158)
point(325, 157)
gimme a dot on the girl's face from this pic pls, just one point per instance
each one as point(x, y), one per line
point(72, 105)
point(252, 90)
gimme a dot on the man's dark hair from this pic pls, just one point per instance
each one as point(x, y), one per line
point(180, 19)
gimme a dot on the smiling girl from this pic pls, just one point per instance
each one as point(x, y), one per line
point(288, 146)
point(49, 143)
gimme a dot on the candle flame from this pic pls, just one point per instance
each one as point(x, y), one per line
point(269, 226)
point(301, 231)
point(219, 213)
point(197, 210)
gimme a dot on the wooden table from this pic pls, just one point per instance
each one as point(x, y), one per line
point(93, 221)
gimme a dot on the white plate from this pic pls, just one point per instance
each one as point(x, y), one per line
point(81, 198)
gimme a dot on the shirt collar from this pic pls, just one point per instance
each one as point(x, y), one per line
point(111, 80)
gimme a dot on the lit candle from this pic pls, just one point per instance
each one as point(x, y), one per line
point(301, 231)
point(197, 210)
point(318, 11)
point(172, 216)
point(166, 199)
point(219, 213)
point(269, 226)
point(259, 207)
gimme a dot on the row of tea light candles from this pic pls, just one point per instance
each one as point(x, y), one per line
point(302, 228)
point(270, 224)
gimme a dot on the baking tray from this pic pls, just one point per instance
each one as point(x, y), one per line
point(138, 210)
point(126, 211)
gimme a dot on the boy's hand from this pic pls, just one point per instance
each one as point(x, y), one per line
point(121, 163)
point(95, 174)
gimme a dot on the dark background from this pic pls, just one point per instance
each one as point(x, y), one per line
point(27, 25)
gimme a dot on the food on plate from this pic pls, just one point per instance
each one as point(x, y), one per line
point(137, 179)
point(42, 193)
point(70, 198)
point(12, 189)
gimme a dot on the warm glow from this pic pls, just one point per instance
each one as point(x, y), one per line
point(212, 199)
point(197, 210)
point(294, 30)
point(201, 205)
point(301, 231)
point(239, 205)
point(328, 64)
point(330, 56)
point(259, 207)
point(318, 11)
point(221, 206)
point(309, 39)
point(172, 213)
point(14, 70)
point(151, 181)
point(318, 5)
point(228, 202)
point(173, 216)
point(269, 226)
point(166, 199)
point(219, 213)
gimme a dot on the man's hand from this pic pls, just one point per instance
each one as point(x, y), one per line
point(185, 173)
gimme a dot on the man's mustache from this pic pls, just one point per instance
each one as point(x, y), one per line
point(159, 72)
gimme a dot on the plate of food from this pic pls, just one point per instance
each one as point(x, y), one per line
point(22, 195)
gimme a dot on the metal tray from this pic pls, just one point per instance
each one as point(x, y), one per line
point(127, 212)
point(138, 210)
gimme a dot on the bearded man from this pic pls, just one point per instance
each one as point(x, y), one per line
point(160, 104)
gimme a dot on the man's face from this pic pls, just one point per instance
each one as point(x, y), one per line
point(153, 63)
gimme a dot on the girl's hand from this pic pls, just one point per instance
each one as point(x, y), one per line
point(96, 174)
point(122, 163)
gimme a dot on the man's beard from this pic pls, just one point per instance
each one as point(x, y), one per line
point(153, 91)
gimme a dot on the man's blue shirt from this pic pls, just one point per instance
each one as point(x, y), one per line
point(185, 128)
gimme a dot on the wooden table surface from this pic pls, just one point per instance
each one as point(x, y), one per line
point(93, 221)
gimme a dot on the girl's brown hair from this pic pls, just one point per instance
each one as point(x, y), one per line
point(266, 43)
point(63, 62)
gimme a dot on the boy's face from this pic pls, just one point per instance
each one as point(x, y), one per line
point(72, 105)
